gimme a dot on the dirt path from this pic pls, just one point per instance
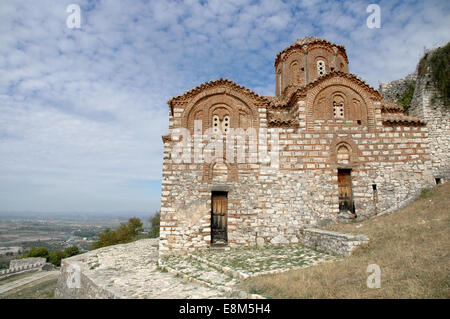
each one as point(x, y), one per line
point(35, 278)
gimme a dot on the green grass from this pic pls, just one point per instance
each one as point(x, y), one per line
point(16, 277)
point(406, 98)
point(439, 61)
point(43, 290)
point(410, 245)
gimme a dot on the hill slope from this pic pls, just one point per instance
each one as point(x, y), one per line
point(410, 245)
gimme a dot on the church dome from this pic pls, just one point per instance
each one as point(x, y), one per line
point(306, 60)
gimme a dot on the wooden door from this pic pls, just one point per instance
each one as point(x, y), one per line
point(219, 218)
point(345, 191)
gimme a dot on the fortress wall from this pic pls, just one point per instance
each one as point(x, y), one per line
point(393, 90)
point(428, 104)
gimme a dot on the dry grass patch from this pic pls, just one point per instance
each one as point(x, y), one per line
point(410, 245)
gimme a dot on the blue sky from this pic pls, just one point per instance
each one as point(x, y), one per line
point(82, 111)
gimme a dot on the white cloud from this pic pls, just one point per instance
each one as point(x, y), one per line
point(83, 111)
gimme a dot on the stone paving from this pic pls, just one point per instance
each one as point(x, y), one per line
point(200, 271)
point(134, 271)
point(131, 271)
point(227, 267)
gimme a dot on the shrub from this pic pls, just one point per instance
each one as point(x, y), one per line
point(125, 233)
point(37, 252)
point(71, 251)
point(439, 63)
point(406, 98)
point(154, 221)
point(424, 192)
point(55, 257)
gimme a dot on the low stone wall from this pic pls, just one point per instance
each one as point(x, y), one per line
point(25, 262)
point(332, 242)
point(20, 266)
point(73, 283)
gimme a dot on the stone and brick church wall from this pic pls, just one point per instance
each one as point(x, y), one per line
point(333, 125)
point(272, 205)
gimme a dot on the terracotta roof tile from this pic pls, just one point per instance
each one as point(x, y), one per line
point(277, 120)
point(401, 118)
point(210, 84)
point(329, 75)
point(389, 107)
point(310, 40)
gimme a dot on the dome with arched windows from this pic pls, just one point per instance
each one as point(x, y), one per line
point(305, 61)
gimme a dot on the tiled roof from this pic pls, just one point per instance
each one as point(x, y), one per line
point(310, 40)
point(215, 83)
point(401, 118)
point(281, 120)
point(329, 75)
point(388, 107)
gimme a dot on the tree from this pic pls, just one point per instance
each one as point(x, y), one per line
point(154, 221)
point(71, 251)
point(37, 252)
point(55, 257)
point(125, 233)
point(134, 227)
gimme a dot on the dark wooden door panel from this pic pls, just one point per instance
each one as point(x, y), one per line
point(345, 191)
point(219, 218)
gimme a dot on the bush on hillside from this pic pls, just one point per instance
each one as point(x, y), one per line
point(71, 251)
point(154, 221)
point(55, 257)
point(125, 233)
point(36, 252)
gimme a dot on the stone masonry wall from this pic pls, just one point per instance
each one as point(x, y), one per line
point(393, 90)
point(73, 283)
point(428, 104)
point(334, 243)
point(272, 206)
point(24, 265)
point(336, 122)
point(26, 262)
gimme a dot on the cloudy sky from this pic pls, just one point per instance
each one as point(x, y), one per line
point(82, 111)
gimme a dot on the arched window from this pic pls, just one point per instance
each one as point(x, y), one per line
point(226, 124)
point(338, 107)
point(295, 73)
point(220, 172)
point(321, 67)
point(343, 154)
point(216, 123)
point(221, 126)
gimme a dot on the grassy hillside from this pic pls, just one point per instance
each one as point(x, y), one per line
point(410, 245)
